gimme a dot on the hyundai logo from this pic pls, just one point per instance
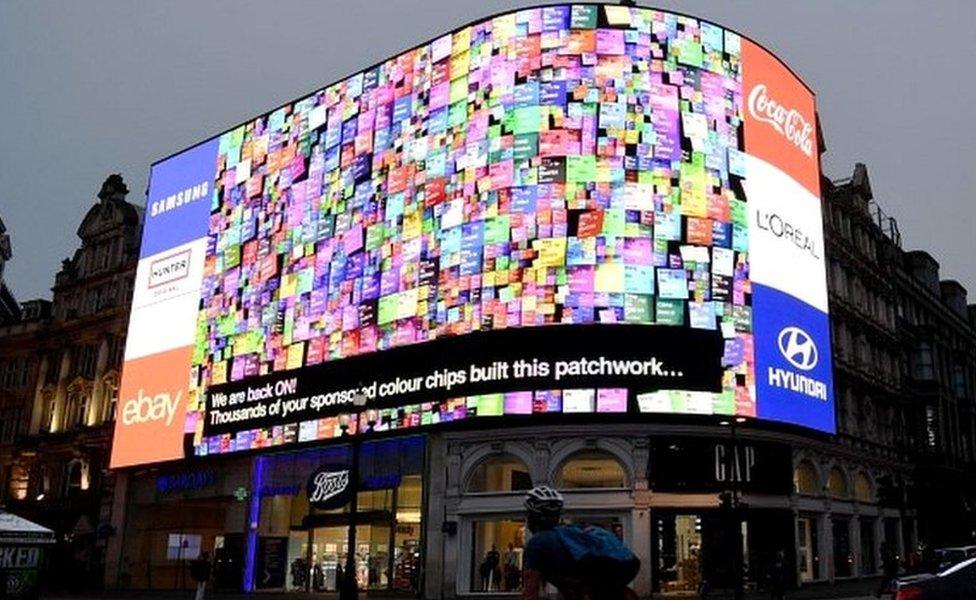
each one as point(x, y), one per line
point(798, 348)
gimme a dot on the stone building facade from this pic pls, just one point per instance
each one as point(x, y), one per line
point(59, 377)
point(904, 347)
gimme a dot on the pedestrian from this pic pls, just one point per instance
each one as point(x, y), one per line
point(777, 576)
point(492, 560)
point(512, 570)
point(889, 569)
point(200, 572)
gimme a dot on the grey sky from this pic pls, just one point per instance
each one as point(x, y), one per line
point(91, 88)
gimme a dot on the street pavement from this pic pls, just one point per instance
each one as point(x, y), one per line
point(188, 595)
point(852, 590)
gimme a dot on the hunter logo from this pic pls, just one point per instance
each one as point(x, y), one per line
point(169, 269)
point(328, 487)
point(789, 122)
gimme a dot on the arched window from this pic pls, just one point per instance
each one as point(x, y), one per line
point(50, 405)
point(805, 479)
point(499, 473)
point(837, 484)
point(862, 488)
point(77, 405)
point(592, 469)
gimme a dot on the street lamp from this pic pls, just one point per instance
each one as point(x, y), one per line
point(349, 589)
point(734, 505)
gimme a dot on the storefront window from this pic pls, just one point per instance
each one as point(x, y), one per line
point(502, 473)
point(592, 469)
point(387, 520)
point(678, 552)
point(174, 515)
point(842, 547)
point(496, 555)
point(183, 546)
point(867, 547)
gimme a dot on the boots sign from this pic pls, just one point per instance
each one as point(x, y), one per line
point(328, 487)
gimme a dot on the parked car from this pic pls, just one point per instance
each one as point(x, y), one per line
point(950, 556)
point(958, 582)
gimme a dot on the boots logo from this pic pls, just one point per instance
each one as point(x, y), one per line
point(145, 408)
point(787, 121)
point(798, 348)
point(327, 488)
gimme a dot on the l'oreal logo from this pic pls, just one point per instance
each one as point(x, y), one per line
point(169, 269)
point(787, 121)
point(783, 229)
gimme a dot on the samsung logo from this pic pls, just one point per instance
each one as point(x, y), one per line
point(169, 269)
point(173, 201)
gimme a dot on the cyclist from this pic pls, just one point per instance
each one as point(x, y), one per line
point(582, 563)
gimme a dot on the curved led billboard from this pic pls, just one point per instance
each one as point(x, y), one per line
point(566, 209)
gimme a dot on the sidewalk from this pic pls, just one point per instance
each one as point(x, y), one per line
point(848, 590)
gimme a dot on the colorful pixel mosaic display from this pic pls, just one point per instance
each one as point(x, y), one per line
point(563, 164)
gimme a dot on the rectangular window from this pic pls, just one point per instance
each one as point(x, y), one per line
point(10, 426)
point(183, 546)
point(51, 405)
point(959, 381)
point(843, 558)
point(497, 546)
point(81, 410)
point(87, 357)
point(923, 364)
point(111, 405)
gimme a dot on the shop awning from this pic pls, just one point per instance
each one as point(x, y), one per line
point(18, 530)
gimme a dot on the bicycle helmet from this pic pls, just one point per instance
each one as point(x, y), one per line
point(544, 501)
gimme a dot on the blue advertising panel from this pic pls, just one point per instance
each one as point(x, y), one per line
point(180, 193)
point(794, 383)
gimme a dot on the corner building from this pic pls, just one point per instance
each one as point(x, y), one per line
point(579, 245)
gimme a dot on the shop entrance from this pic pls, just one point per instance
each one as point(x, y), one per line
point(677, 552)
point(312, 542)
point(387, 552)
point(688, 547)
point(326, 548)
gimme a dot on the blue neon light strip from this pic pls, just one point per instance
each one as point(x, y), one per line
point(253, 516)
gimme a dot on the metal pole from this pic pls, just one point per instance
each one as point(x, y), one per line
point(351, 586)
point(736, 522)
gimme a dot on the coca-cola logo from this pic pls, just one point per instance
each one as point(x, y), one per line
point(327, 488)
point(789, 122)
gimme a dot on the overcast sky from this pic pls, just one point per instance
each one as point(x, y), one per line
point(96, 87)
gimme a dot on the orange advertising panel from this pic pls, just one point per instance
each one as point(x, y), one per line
point(780, 117)
point(152, 408)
